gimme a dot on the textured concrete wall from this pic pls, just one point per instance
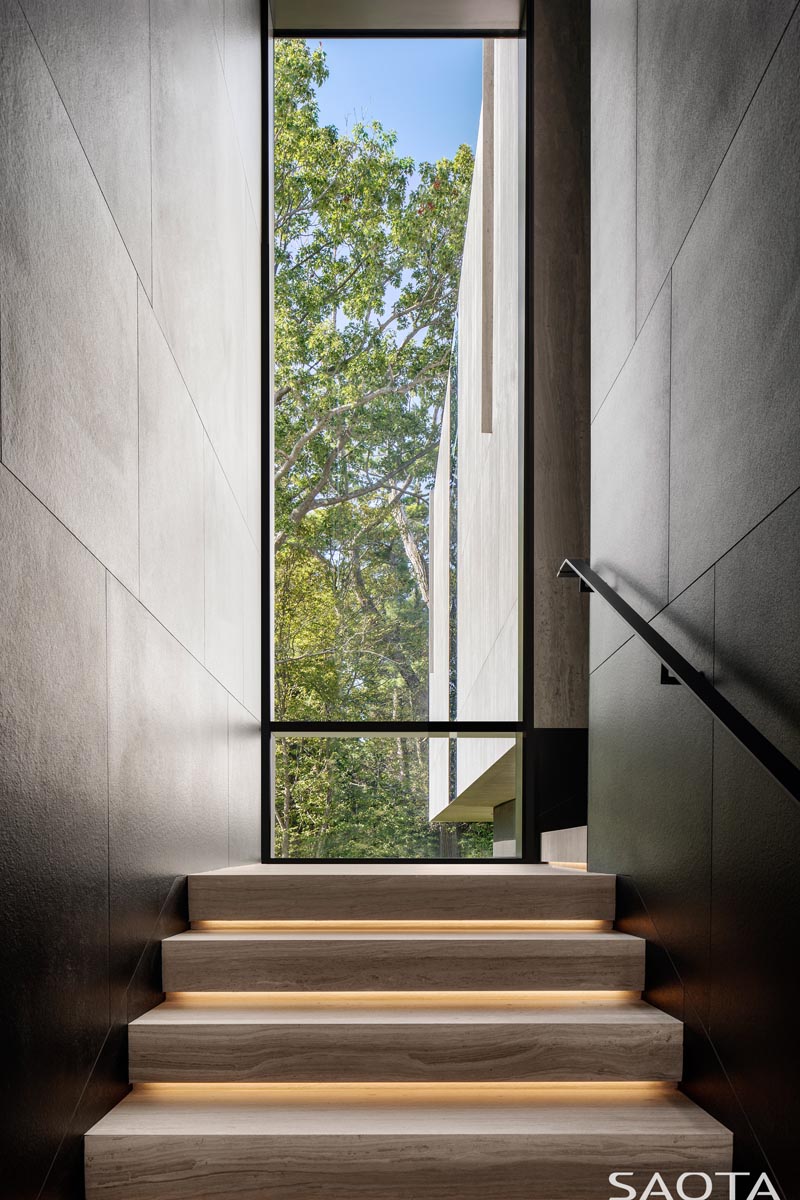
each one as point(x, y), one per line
point(695, 511)
point(488, 463)
point(129, 524)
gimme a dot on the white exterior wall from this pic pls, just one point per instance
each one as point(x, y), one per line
point(439, 616)
point(489, 463)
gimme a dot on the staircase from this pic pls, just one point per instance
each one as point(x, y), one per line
point(411, 1032)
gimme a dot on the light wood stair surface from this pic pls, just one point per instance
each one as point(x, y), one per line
point(416, 1036)
point(264, 962)
point(531, 1143)
point(404, 891)
point(403, 1032)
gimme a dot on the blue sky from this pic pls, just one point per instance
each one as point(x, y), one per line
point(427, 91)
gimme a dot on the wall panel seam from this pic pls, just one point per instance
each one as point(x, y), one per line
point(711, 567)
point(614, 381)
point(725, 154)
point(80, 143)
point(203, 427)
point(232, 116)
point(703, 1025)
point(138, 599)
point(178, 880)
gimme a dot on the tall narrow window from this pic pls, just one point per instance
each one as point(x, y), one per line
point(397, 221)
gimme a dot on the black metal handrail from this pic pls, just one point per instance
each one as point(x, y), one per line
point(760, 747)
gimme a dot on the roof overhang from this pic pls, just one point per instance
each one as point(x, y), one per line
point(397, 16)
point(477, 802)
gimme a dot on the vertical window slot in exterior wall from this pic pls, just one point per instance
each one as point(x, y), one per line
point(487, 243)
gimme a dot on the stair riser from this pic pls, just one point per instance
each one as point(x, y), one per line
point(577, 897)
point(385, 1168)
point(216, 965)
point(445, 1053)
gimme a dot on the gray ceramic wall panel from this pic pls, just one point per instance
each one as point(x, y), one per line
point(171, 490)
point(251, 685)
point(698, 67)
point(244, 785)
point(758, 627)
point(252, 507)
point(67, 317)
point(242, 63)
point(752, 988)
point(736, 353)
point(613, 190)
point(630, 483)
point(199, 208)
point(650, 794)
point(54, 844)
point(81, 953)
point(168, 773)
point(217, 10)
point(98, 52)
point(225, 536)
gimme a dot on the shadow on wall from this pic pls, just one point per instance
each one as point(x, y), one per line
point(696, 462)
point(129, 527)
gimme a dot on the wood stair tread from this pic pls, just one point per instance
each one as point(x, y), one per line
point(347, 1033)
point(402, 891)
point(530, 1111)
point(543, 1142)
point(444, 937)
point(406, 870)
point(256, 960)
point(416, 1009)
point(408, 1038)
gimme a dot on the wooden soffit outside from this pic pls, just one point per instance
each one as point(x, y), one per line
point(380, 16)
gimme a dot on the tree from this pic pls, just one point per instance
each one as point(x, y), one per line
point(368, 251)
point(367, 265)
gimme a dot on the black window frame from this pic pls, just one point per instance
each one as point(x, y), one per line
point(523, 728)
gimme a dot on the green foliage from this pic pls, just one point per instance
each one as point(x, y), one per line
point(368, 251)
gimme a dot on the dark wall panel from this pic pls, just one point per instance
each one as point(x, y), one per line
point(613, 189)
point(199, 199)
point(735, 352)
point(54, 839)
point(756, 947)
point(244, 785)
point(68, 313)
point(171, 491)
point(630, 483)
point(167, 773)
point(705, 843)
point(699, 64)
point(650, 794)
point(758, 627)
point(129, 585)
point(757, 836)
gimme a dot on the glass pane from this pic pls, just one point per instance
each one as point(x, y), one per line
point(370, 217)
point(385, 797)
point(383, 239)
point(398, 349)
